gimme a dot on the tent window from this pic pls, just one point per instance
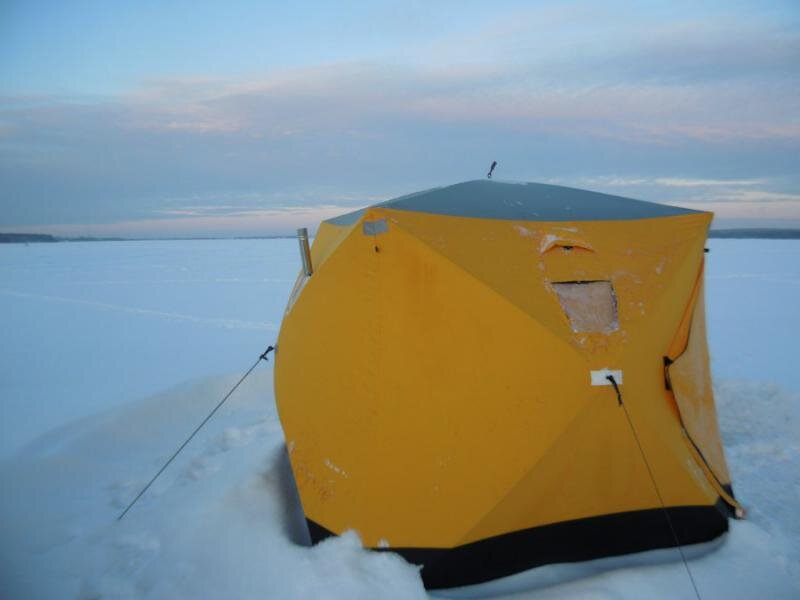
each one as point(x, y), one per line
point(591, 306)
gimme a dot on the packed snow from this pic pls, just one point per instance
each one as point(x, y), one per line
point(113, 352)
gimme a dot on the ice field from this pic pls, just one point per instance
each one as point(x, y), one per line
point(112, 352)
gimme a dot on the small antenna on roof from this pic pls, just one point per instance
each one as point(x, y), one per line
point(491, 169)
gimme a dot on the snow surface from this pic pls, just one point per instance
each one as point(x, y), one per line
point(87, 326)
point(113, 352)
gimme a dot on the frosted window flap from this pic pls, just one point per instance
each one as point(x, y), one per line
point(591, 306)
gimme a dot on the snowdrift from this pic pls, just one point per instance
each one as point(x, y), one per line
point(224, 520)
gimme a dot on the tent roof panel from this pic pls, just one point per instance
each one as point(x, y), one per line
point(487, 199)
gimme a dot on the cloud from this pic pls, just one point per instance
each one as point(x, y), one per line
point(677, 109)
point(728, 198)
point(244, 223)
point(582, 44)
point(773, 210)
point(349, 98)
point(718, 80)
point(747, 197)
point(680, 182)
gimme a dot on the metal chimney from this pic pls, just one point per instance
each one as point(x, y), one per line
point(305, 252)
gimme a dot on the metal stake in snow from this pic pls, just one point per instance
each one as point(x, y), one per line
point(199, 427)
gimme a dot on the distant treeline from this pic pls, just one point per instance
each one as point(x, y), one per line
point(25, 238)
point(28, 238)
point(764, 234)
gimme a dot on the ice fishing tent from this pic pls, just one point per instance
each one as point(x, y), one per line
point(443, 379)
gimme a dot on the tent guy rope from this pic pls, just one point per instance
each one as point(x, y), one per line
point(655, 485)
point(263, 356)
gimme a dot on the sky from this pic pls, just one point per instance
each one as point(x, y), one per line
point(148, 119)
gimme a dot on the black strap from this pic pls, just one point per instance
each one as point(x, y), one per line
point(616, 388)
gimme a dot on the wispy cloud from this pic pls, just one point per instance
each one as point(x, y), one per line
point(668, 109)
point(252, 222)
point(369, 101)
point(737, 196)
point(728, 198)
point(752, 210)
point(680, 182)
point(280, 213)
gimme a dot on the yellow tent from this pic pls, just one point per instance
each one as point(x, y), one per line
point(489, 377)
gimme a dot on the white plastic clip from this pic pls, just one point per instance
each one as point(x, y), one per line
point(600, 377)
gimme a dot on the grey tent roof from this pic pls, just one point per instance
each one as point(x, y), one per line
point(488, 199)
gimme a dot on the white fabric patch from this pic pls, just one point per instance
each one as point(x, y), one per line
point(591, 306)
point(600, 377)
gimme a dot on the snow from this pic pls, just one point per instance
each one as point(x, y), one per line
point(114, 352)
point(524, 231)
point(752, 290)
point(99, 324)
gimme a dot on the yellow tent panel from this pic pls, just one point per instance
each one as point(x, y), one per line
point(442, 380)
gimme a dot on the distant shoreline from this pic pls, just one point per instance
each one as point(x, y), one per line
point(755, 233)
point(43, 238)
